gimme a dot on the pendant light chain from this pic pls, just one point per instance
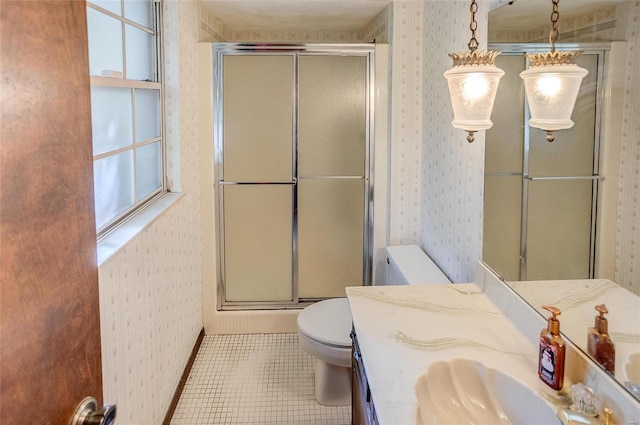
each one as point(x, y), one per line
point(555, 16)
point(473, 26)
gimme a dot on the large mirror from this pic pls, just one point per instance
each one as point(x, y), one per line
point(557, 226)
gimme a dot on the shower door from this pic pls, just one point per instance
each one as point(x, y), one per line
point(540, 197)
point(292, 152)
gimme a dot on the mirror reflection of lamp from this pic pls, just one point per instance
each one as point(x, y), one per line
point(552, 83)
point(473, 82)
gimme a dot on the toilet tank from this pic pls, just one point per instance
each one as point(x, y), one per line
point(409, 265)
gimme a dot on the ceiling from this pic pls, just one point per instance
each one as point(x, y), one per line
point(288, 15)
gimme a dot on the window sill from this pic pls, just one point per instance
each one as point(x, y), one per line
point(113, 242)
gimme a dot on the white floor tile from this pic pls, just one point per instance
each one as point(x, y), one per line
point(253, 379)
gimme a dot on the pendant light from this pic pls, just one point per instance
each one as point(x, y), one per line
point(552, 83)
point(473, 82)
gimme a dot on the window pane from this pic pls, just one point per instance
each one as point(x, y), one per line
point(139, 11)
point(147, 114)
point(111, 118)
point(140, 54)
point(105, 43)
point(148, 170)
point(114, 6)
point(113, 186)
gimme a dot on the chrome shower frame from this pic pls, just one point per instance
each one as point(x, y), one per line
point(219, 51)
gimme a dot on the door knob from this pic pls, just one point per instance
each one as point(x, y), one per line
point(86, 413)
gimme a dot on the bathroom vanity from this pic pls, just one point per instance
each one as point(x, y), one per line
point(408, 337)
point(362, 407)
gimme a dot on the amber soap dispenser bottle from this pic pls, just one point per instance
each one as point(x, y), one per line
point(599, 343)
point(552, 351)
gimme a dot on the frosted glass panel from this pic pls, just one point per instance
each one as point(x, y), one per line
point(332, 115)
point(140, 54)
point(330, 236)
point(502, 217)
point(105, 43)
point(258, 116)
point(258, 242)
point(148, 170)
point(572, 151)
point(559, 229)
point(139, 11)
point(111, 121)
point(504, 147)
point(147, 114)
point(114, 6)
point(113, 186)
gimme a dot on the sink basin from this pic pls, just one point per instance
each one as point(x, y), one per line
point(462, 391)
point(632, 368)
point(632, 374)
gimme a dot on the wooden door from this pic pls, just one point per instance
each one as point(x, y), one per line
point(49, 317)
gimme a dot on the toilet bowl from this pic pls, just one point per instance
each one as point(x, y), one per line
point(323, 332)
point(324, 327)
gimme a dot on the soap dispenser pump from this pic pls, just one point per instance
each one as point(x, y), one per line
point(599, 343)
point(552, 351)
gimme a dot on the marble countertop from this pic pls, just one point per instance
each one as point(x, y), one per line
point(401, 330)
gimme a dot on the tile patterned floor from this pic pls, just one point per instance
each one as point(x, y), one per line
point(253, 379)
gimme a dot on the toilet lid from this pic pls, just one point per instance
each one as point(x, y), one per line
point(327, 321)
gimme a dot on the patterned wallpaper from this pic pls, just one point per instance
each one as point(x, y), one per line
point(212, 29)
point(150, 292)
point(406, 122)
point(378, 28)
point(596, 25)
point(628, 230)
point(452, 178)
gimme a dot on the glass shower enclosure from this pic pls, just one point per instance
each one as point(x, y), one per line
point(541, 198)
point(291, 126)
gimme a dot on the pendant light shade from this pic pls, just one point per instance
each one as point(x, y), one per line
point(552, 91)
point(473, 92)
point(473, 82)
point(552, 83)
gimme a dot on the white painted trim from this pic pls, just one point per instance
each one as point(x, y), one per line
point(611, 138)
point(114, 241)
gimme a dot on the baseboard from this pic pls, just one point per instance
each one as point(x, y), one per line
point(183, 380)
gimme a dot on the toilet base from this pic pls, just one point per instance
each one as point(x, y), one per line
point(333, 384)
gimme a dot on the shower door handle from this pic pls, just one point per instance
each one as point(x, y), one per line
point(564, 178)
point(224, 183)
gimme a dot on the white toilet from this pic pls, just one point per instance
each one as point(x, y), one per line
point(323, 332)
point(324, 327)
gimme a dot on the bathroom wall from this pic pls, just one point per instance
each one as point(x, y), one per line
point(436, 194)
point(452, 170)
point(406, 122)
point(212, 29)
point(606, 23)
point(150, 292)
point(628, 230)
point(378, 28)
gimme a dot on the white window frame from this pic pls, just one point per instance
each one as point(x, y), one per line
point(157, 84)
